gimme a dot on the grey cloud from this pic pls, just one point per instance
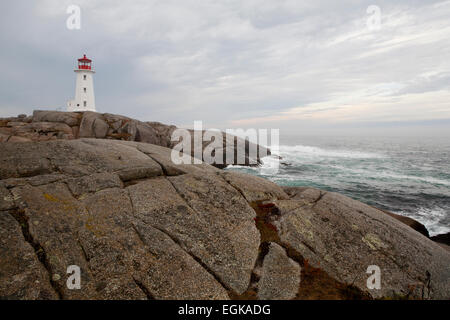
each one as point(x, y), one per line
point(219, 61)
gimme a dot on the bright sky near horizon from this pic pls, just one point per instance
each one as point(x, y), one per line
point(286, 64)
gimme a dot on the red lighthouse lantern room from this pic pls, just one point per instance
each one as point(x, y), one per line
point(84, 63)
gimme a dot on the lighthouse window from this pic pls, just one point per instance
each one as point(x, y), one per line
point(84, 103)
point(84, 90)
point(84, 77)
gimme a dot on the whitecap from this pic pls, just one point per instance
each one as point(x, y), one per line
point(319, 152)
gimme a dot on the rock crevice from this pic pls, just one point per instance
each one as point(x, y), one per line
point(39, 251)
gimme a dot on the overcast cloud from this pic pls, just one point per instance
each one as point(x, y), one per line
point(252, 63)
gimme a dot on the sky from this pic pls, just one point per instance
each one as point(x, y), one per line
point(300, 66)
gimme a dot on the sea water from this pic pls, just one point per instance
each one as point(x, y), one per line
point(405, 175)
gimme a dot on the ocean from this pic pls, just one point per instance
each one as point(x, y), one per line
point(409, 176)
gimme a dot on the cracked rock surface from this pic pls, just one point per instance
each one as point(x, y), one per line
point(141, 227)
point(280, 276)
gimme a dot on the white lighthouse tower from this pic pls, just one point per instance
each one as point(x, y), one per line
point(84, 90)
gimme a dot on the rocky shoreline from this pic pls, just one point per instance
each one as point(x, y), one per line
point(141, 227)
point(58, 125)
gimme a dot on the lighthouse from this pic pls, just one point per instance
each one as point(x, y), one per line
point(84, 89)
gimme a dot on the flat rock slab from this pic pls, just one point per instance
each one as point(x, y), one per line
point(344, 237)
point(255, 188)
point(208, 218)
point(280, 277)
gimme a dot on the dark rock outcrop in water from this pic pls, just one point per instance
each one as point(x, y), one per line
point(58, 125)
point(140, 227)
point(443, 240)
point(416, 225)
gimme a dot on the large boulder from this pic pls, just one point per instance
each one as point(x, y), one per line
point(141, 227)
point(92, 126)
point(69, 118)
point(231, 149)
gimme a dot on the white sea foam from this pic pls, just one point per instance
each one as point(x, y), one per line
point(384, 176)
point(368, 173)
point(432, 219)
point(319, 152)
point(417, 178)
